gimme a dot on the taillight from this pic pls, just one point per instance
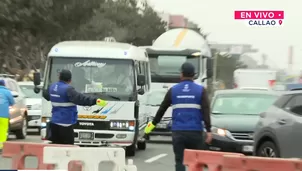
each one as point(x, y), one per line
point(271, 83)
point(235, 85)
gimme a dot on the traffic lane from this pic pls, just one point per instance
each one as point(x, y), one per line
point(156, 156)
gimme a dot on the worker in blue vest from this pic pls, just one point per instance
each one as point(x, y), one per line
point(64, 99)
point(191, 110)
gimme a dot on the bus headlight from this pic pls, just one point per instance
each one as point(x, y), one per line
point(122, 125)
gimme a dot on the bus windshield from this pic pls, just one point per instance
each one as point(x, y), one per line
point(96, 76)
point(166, 68)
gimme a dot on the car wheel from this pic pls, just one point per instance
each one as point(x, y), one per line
point(268, 149)
point(22, 132)
point(141, 145)
point(130, 150)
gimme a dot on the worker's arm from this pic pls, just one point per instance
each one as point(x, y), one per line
point(165, 104)
point(79, 98)
point(205, 109)
point(45, 94)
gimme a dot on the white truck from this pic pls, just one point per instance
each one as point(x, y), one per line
point(171, 49)
point(261, 79)
point(116, 72)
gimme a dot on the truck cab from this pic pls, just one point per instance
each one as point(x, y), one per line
point(171, 49)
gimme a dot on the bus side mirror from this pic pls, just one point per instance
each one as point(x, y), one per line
point(37, 78)
point(141, 80)
point(209, 66)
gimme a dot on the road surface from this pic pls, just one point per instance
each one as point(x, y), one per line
point(157, 157)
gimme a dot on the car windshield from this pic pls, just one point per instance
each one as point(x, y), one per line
point(155, 98)
point(166, 68)
point(250, 104)
point(28, 91)
point(114, 77)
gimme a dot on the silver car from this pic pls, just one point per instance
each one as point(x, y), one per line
point(34, 105)
point(18, 112)
point(150, 103)
point(278, 131)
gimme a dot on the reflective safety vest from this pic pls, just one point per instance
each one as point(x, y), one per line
point(186, 100)
point(63, 111)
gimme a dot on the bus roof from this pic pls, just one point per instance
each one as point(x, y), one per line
point(98, 49)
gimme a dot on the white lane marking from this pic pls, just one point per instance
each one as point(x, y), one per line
point(152, 159)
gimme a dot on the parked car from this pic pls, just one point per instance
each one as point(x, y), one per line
point(234, 116)
point(278, 131)
point(33, 103)
point(18, 112)
point(150, 103)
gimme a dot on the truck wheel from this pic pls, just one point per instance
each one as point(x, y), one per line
point(130, 150)
point(22, 132)
point(141, 145)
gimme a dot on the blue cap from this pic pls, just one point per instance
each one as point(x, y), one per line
point(188, 69)
point(2, 82)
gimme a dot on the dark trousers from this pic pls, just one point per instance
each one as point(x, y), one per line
point(61, 134)
point(182, 140)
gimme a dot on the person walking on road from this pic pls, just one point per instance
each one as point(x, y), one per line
point(191, 109)
point(64, 99)
point(6, 100)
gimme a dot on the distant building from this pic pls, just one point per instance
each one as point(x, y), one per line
point(177, 21)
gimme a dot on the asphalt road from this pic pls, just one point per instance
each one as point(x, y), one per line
point(157, 156)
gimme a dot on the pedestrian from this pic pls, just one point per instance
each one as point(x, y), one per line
point(64, 99)
point(191, 111)
point(6, 100)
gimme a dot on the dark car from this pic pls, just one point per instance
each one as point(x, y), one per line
point(235, 114)
point(278, 131)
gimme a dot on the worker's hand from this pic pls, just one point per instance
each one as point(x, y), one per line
point(209, 137)
point(101, 102)
point(149, 128)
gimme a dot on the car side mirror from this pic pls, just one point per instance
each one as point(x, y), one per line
point(140, 91)
point(37, 78)
point(15, 94)
point(141, 80)
point(37, 90)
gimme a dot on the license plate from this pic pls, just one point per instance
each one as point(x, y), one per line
point(161, 126)
point(247, 148)
point(86, 135)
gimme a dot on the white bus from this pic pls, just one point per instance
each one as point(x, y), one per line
point(116, 72)
point(171, 49)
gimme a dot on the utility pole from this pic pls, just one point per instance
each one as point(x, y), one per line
point(290, 57)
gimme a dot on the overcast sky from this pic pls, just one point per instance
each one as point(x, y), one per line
point(217, 18)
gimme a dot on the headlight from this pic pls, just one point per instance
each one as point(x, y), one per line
point(36, 107)
point(122, 125)
point(221, 132)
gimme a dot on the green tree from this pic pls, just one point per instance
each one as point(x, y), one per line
point(226, 65)
point(29, 28)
